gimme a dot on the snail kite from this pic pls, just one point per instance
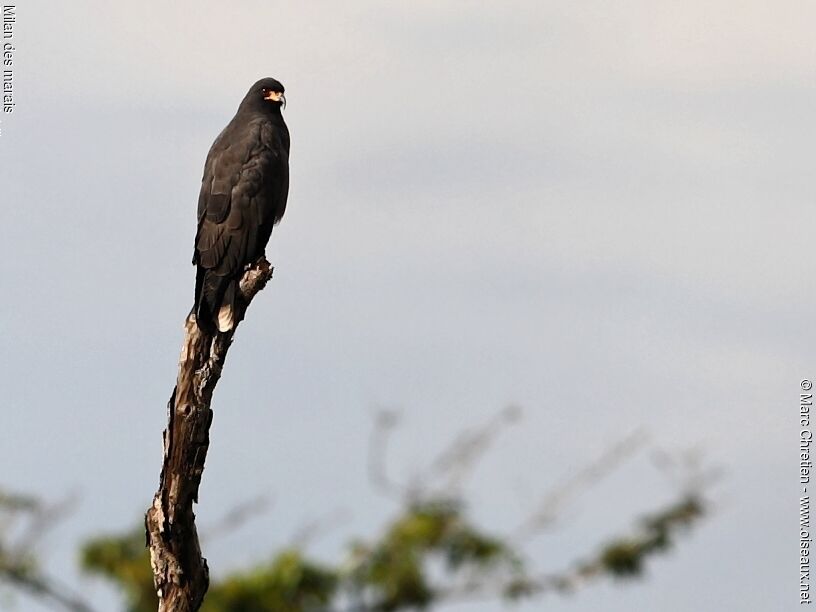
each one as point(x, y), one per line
point(243, 195)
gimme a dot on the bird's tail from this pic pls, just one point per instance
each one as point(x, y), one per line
point(214, 306)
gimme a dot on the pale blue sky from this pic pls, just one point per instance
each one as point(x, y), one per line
point(599, 211)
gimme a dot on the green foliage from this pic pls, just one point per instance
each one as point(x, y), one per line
point(519, 587)
point(425, 548)
point(625, 557)
point(289, 583)
point(394, 571)
point(429, 553)
point(125, 561)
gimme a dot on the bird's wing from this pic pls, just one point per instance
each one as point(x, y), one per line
point(229, 210)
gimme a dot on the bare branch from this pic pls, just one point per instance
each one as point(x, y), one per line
point(42, 587)
point(447, 471)
point(17, 566)
point(552, 503)
point(459, 459)
point(237, 517)
point(311, 530)
point(180, 573)
point(384, 423)
point(43, 518)
point(686, 469)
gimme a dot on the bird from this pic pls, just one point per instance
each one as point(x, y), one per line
point(243, 195)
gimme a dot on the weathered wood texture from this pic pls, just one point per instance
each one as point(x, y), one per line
point(180, 573)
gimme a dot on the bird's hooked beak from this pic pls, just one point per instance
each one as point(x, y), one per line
point(276, 96)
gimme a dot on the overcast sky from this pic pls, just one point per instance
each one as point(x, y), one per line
point(602, 212)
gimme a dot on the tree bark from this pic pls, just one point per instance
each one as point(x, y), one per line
point(180, 573)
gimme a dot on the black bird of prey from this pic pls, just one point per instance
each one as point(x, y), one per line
point(243, 195)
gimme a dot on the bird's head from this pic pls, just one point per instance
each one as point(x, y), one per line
point(266, 94)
